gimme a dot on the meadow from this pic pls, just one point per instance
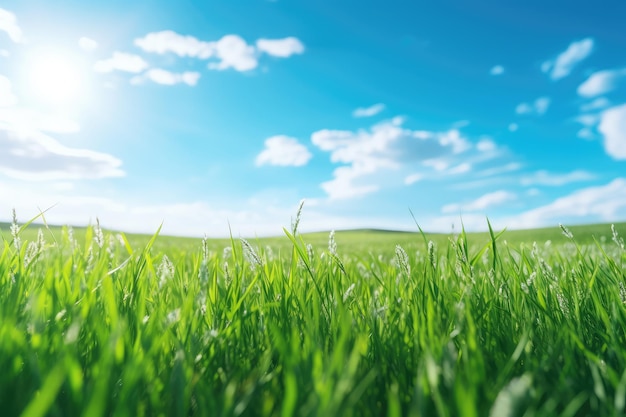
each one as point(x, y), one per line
point(355, 323)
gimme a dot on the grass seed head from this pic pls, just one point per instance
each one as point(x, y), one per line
point(403, 260)
point(165, 271)
point(616, 238)
point(296, 222)
point(332, 245)
point(348, 292)
point(566, 231)
point(253, 258)
point(431, 253)
point(15, 232)
point(98, 235)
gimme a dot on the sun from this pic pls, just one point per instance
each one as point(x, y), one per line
point(56, 77)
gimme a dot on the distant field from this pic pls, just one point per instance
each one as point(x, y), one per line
point(354, 241)
point(357, 323)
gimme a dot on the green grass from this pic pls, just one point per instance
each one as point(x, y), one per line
point(385, 324)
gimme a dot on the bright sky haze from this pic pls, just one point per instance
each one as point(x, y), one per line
point(221, 116)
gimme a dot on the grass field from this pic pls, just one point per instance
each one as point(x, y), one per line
point(361, 323)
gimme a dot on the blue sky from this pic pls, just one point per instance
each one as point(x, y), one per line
point(205, 115)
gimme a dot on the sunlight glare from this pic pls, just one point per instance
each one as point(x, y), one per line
point(56, 77)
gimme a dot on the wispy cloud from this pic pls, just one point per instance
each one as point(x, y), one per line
point(486, 145)
point(598, 103)
point(282, 48)
point(8, 24)
point(550, 179)
point(589, 121)
point(164, 77)
point(482, 203)
point(26, 118)
point(413, 178)
point(7, 98)
point(586, 133)
point(538, 107)
point(368, 111)
point(31, 155)
point(497, 70)
point(122, 61)
point(565, 62)
point(499, 170)
point(283, 151)
point(613, 128)
point(602, 82)
point(461, 168)
point(599, 203)
point(87, 44)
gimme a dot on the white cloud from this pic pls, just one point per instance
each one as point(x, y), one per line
point(437, 164)
point(567, 60)
point(345, 184)
point(368, 111)
point(281, 48)
point(460, 169)
point(598, 103)
point(452, 138)
point(546, 178)
point(164, 77)
point(26, 118)
point(283, 151)
point(499, 170)
point(233, 52)
point(588, 119)
point(539, 107)
point(524, 108)
point(387, 146)
point(600, 203)
point(481, 203)
point(486, 145)
point(413, 178)
point(513, 127)
point(190, 78)
point(32, 155)
point(170, 41)
point(586, 133)
point(7, 98)
point(601, 82)
point(8, 24)
point(122, 61)
point(613, 128)
point(497, 70)
point(87, 44)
